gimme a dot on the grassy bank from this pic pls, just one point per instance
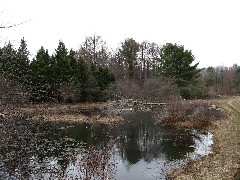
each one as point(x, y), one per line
point(224, 162)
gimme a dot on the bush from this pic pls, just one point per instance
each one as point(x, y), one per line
point(68, 92)
point(151, 90)
point(194, 92)
point(157, 90)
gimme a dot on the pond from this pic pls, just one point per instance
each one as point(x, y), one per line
point(138, 149)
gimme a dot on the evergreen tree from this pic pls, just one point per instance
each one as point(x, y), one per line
point(176, 62)
point(129, 52)
point(41, 81)
point(103, 77)
point(99, 78)
point(22, 62)
point(80, 75)
point(61, 64)
point(8, 60)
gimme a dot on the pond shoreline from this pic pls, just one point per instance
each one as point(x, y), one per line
point(81, 112)
point(200, 168)
point(92, 113)
point(109, 112)
point(224, 162)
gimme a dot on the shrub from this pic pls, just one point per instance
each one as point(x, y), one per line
point(68, 92)
point(157, 90)
point(194, 92)
point(151, 90)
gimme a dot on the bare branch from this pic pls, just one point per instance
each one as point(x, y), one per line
point(14, 25)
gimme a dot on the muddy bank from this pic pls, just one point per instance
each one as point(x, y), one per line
point(224, 162)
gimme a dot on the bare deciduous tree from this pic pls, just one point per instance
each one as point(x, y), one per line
point(94, 50)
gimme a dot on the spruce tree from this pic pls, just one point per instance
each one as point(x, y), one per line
point(22, 63)
point(8, 60)
point(41, 82)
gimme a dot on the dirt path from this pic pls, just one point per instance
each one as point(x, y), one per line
point(224, 162)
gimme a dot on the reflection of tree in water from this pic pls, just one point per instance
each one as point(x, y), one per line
point(42, 150)
point(89, 134)
point(133, 153)
point(177, 143)
point(141, 138)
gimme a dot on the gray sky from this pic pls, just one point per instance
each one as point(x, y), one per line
point(210, 28)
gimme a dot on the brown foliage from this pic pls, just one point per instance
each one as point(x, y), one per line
point(11, 92)
point(68, 92)
point(151, 90)
point(190, 113)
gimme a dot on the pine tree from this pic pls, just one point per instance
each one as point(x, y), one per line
point(22, 62)
point(61, 64)
point(7, 60)
point(176, 62)
point(41, 82)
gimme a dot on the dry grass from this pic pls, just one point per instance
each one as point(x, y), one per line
point(225, 161)
point(66, 112)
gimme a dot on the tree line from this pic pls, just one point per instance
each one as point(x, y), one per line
point(96, 73)
point(58, 77)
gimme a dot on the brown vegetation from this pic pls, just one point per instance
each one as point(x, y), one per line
point(198, 113)
point(224, 162)
point(151, 90)
point(85, 112)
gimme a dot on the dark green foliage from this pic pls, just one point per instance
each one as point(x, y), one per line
point(15, 63)
point(8, 59)
point(195, 91)
point(48, 74)
point(61, 64)
point(103, 76)
point(176, 62)
point(22, 63)
point(41, 80)
point(99, 80)
point(63, 77)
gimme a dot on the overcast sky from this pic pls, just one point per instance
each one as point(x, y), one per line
point(210, 28)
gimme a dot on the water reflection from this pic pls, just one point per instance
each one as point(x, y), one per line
point(137, 149)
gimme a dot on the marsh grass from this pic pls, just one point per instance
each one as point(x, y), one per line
point(84, 112)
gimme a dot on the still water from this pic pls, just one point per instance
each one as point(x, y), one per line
point(138, 149)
